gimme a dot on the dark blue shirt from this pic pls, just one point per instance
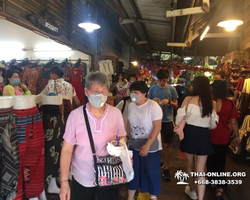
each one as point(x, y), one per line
point(167, 92)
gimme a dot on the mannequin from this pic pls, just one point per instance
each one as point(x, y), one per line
point(24, 103)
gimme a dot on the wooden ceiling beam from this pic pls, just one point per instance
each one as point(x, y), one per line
point(205, 8)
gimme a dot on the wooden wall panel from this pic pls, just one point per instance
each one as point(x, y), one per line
point(68, 17)
point(246, 36)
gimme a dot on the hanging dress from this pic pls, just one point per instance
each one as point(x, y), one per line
point(76, 77)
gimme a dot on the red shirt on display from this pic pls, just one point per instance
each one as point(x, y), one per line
point(221, 135)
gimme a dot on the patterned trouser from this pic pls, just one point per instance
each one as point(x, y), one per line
point(31, 153)
point(9, 162)
point(54, 128)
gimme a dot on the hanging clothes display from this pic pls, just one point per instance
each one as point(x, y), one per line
point(76, 76)
point(29, 77)
point(54, 127)
point(30, 135)
point(43, 79)
point(243, 104)
point(243, 132)
point(9, 156)
point(106, 67)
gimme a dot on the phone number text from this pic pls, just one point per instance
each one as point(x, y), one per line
point(218, 182)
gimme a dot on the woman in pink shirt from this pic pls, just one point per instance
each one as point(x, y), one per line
point(106, 124)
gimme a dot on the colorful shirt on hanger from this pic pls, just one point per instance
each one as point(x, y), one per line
point(43, 79)
point(76, 77)
point(30, 78)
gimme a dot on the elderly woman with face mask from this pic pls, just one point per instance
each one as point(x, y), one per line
point(106, 124)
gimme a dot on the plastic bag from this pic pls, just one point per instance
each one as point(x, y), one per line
point(126, 157)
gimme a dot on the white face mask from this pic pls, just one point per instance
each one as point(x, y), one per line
point(97, 100)
point(135, 97)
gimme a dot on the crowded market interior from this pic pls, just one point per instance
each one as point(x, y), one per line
point(124, 99)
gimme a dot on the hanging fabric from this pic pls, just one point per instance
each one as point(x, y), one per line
point(9, 156)
point(30, 78)
point(54, 127)
point(43, 79)
point(76, 77)
point(106, 67)
point(30, 137)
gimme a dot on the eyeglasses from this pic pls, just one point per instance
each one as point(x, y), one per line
point(103, 92)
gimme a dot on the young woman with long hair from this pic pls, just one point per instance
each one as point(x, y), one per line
point(200, 115)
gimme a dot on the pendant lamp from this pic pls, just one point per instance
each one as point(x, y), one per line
point(231, 16)
point(89, 23)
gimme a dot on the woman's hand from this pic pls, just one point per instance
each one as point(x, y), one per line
point(65, 191)
point(144, 150)
point(236, 141)
point(24, 87)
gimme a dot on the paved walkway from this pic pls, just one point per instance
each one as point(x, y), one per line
point(172, 191)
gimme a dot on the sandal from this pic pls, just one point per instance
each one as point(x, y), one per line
point(219, 195)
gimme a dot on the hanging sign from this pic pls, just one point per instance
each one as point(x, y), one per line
point(46, 23)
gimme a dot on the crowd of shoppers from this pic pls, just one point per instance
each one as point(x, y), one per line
point(207, 113)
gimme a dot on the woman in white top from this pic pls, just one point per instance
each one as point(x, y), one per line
point(200, 115)
point(145, 118)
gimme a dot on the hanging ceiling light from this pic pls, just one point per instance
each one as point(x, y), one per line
point(231, 16)
point(187, 58)
point(89, 24)
point(135, 63)
point(230, 25)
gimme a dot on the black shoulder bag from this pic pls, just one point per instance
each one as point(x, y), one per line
point(108, 170)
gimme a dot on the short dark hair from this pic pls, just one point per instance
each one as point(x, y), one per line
point(162, 74)
point(139, 86)
point(58, 71)
point(10, 73)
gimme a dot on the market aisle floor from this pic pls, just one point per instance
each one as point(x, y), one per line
point(171, 191)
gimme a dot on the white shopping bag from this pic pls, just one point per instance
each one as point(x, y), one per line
point(126, 157)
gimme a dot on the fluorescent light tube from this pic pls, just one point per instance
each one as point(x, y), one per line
point(204, 33)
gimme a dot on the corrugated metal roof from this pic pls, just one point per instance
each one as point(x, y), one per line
point(151, 12)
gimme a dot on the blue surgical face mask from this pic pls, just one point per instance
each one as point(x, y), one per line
point(97, 100)
point(15, 82)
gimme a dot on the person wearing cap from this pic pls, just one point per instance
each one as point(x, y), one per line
point(13, 87)
point(189, 90)
point(66, 89)
point(220, 136)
